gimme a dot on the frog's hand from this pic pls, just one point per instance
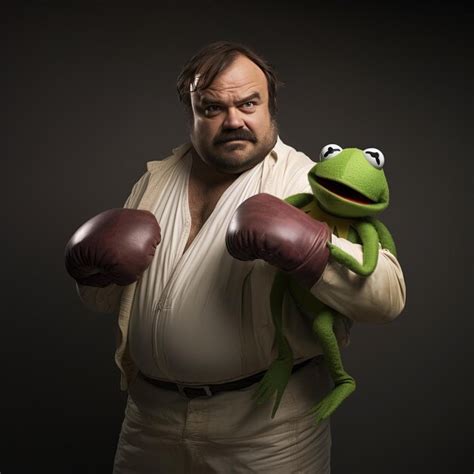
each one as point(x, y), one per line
point(385, 237)
point(370, 250)
point(278, 374)
point(299, 200)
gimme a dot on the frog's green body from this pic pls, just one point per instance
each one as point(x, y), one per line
point(349, 187)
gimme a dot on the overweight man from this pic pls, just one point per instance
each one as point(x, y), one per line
point(195, 331)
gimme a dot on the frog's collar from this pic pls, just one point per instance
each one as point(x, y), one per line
point(338, 225)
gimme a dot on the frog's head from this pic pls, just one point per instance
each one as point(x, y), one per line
point(350, 182)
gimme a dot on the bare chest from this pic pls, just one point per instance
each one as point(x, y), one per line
point(201, 203)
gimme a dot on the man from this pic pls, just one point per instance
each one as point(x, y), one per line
point(195, 331)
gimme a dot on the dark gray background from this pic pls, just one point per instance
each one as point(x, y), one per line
point(89, 97)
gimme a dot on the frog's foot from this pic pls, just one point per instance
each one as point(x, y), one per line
point(330, 402)
point(275, 380)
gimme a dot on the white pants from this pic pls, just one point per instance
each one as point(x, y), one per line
point(164, 432)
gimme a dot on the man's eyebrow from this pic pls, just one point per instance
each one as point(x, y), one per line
point(206, 100)
point(254, 95)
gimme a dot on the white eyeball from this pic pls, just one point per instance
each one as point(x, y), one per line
point(329, 151)
point(375, 157)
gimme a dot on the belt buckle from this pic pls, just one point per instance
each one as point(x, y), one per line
point(205, 387)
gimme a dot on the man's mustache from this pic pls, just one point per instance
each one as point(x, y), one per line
point(235, 135)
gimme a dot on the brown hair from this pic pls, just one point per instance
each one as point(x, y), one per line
point(215, 58)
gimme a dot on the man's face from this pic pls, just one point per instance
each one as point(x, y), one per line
point(232, 129)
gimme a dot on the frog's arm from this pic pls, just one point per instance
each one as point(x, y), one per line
point(299, 200)
point(385, 237)
point(370, 250)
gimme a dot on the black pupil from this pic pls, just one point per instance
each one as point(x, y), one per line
point(375, 155)
point(330, 150)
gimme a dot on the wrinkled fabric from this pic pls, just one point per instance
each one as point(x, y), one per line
point(202, 317)
point(378, 298)
point(164, 432)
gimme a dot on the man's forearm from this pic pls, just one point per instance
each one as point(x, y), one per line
point(378, 298)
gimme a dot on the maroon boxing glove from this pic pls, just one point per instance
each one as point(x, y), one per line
point(116, 246)
point(267, 227)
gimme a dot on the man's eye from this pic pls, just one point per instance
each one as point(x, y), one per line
point(248, 105)
point(211, 109)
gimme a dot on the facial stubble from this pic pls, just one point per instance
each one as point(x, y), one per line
point(234, 164)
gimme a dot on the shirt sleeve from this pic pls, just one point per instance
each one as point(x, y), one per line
point(107, 299)
point(378, 298)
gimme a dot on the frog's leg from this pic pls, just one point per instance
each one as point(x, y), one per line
point(370, 250)
point(278, 374)
point(385, 237)
point(344, 384)
point(323, 327)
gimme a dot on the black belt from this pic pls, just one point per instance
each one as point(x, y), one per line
point(209, 390)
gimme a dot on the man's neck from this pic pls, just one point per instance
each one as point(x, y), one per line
point(208, 177)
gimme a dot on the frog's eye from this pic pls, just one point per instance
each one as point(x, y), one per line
point(375, 157)
point(329, 151)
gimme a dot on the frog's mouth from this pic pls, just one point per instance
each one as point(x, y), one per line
point(343, 191)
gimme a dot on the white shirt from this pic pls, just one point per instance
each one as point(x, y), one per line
point(203, 317)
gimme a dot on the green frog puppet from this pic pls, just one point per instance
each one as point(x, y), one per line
point(349, 188)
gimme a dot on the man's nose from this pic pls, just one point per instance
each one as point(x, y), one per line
point(233, 119)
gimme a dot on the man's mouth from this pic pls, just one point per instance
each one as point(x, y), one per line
point(238, 141)
point(344, 191)
point(231, 139)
